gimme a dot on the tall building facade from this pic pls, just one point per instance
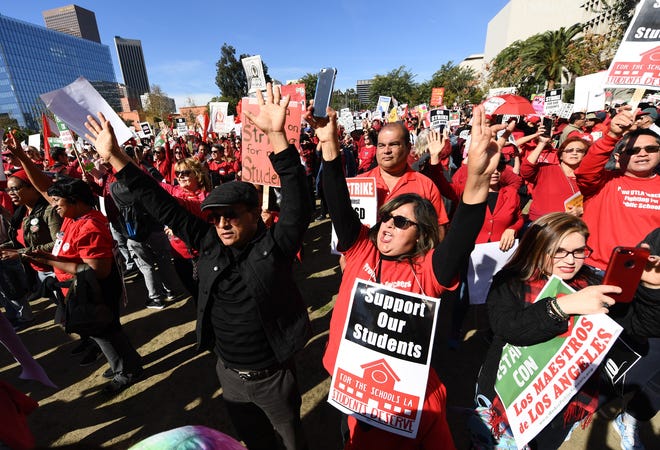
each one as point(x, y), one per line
point(73, 20)
point(133, 69)
point(35, 60)
point(363, 88)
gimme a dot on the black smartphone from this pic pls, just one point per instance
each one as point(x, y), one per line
point(324, 87)
point(625, 270)
point(547, 124)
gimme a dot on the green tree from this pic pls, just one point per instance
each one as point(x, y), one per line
point(398, 83)
point(461, 84)
point(158, 104)
point(546, 54)
point(230, 76)
point(309, 80)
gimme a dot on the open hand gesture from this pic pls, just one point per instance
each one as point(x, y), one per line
point(272, 111)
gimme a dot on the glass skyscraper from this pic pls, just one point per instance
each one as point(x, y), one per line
point(35, 60)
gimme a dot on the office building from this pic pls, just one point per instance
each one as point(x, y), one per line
point(363, 88)
point(133, 69)
point(73, 20)
point(35, 60)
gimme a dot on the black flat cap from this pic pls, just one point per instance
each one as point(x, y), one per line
point(232, 193)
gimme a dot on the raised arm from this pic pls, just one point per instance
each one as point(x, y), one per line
point(271, 117)
point(37, 177)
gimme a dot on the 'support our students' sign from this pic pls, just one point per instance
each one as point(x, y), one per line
point(256, 146)
point(534, 383)
point(383, 361)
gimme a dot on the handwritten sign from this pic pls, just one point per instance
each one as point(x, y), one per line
point(256, 147)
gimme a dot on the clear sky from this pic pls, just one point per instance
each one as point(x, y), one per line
point(181, 40)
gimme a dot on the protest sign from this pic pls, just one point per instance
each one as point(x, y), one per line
point(566, 110)
point(552, 102)
point(635, 64)
point(181, 126)
point(364, 199)
point(492, 103)
point(74, 102)
point(454, 118)
point(536, 382)
point(485, 261)
point(145, 130)
point(590, 92)
point(538, 103)
point(439, 118)
point(346, 120)
point(383, 105)
point(437, 97)
point(495, 92)
point(254, 72)
point(34, 140)
point(218, 114)
point(256, 147)
point(383, 361)
point(296, 93)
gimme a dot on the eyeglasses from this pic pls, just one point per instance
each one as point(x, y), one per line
point(230, 215)
point(575, 150)
point(182, 173)
point(647, 149)
point(400, 222)
point(14, 189)
point(214, 151)
point(578, 253)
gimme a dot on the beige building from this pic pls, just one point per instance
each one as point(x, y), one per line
point(521, 19)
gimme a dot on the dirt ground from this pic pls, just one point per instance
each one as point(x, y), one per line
point(180, 387)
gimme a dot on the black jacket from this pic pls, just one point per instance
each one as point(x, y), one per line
point(267, 270)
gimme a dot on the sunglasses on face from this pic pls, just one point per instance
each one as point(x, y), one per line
point(400, 222)
point(230, 215)
point(182, 173)
point(647, 149)
point(14, 189)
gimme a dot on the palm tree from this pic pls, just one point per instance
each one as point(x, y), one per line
point(546, 54)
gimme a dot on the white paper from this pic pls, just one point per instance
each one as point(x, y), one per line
point(485, 261)
point(73, 103)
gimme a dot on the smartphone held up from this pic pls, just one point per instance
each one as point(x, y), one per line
point(625, 270)
point(324, 87)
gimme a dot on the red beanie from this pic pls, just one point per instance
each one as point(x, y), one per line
point(22, 175)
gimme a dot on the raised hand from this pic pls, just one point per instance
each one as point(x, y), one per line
point(622, 122)
point(590, 300)
point(102, 136)
point(271, 117)
point(326, 130)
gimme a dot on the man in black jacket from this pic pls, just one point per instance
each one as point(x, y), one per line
point(249, 310)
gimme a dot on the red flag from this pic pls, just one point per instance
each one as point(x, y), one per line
point(239, 109)
point(205, 130)
point(47, 133)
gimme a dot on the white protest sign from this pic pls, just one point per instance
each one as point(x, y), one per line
point(217, 115)
point(254, 72)
point(34, 140)
point(181, 126)
point(502, 90)
point(566, 110)
point(485, 261)
point(364, 200)
point(552, 102)
point(590, 92)
point(635, 64)
point(491, 104)
point(145, 130)
point(74, 102)
point(383, 361)
point(383, 105)
point(439, 118)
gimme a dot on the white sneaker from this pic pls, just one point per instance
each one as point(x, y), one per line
point(626, 427)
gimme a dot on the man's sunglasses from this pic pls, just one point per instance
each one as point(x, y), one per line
point(647, 149)
point(400, 222)
point(228, 214)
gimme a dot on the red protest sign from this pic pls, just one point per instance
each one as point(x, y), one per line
point(437, 96)
point(256, 167)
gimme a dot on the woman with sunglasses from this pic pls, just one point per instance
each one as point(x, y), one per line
point(555, 244)
point(403, 249)
point(193, 186)
point(553, 183)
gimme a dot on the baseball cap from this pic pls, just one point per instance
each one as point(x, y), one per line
point(591, 116)
point(533, 119)
point(232, 193)
point(650, 112)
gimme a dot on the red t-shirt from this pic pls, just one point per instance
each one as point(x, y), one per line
point(551, 187)
point(86, 237)
point(411, 182)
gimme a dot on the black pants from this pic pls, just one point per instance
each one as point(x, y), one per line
point(263, 409)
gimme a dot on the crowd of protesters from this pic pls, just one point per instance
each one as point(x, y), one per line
point(205, 235)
